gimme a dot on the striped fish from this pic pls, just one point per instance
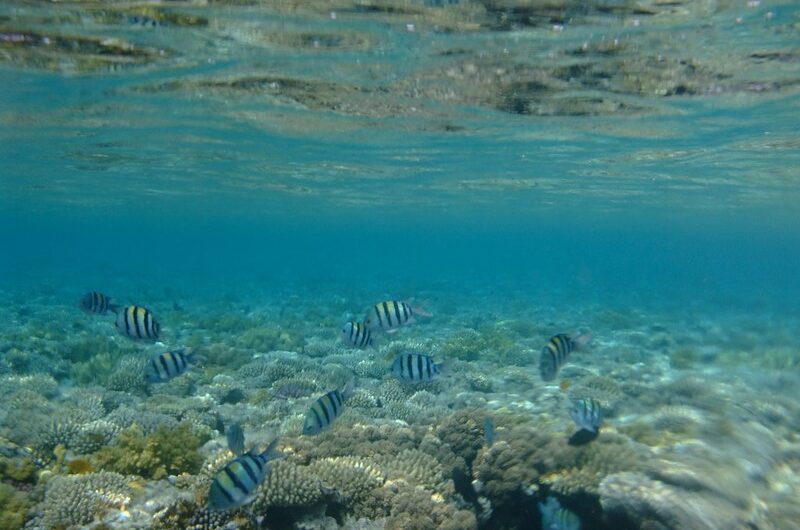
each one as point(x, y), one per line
point(168, 365)
point(415, 367)
point(235, 484)
point(556, 352)
point(235, 437)
point(554, 517)
point(356, 334)
point(325, 410)
point(388, 316)
point(587, 414)
point(97, 303)
point(137, 323)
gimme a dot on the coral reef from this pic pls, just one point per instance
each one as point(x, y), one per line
point(167, 451)
point(288, 485)
point(14, 506)
point(80, 499)
point(105, 450)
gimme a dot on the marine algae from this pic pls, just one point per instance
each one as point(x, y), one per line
point(168, 451)
point(14, 506)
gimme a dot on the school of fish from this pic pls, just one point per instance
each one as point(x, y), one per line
point(234, 484)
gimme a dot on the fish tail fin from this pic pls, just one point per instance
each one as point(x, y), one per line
point(113, 307)
point(581, 339)
point(348, 389)
point(441, 368)
point(271, 452)
point(419, 307)
point(192, 356)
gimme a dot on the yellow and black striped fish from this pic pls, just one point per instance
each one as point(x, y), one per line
point(97, 303)
point(388, 316)
point(167, 365)
point(235, 484)
point(556, 352)
point(325, 410)
point(415, 367)
point(356, 334)
point(137, 322)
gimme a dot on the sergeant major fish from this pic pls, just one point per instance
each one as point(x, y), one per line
point(235, 484)
point(554, 517)
point(556, 352)
point(415, 367)
point(388, 316)
point(97, 303)
point(356, 334)
point(326, 409)
point(168, 365)
point(587, 414)
point(137, 323)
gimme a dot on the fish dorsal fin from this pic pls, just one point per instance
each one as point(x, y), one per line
point(271, 452)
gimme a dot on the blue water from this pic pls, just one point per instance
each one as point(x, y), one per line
point(600, 167)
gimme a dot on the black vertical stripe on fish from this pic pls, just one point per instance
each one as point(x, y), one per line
point(147, 324)
point(174, 358)
point(164, 364)
point(378, 312)
point(317, 419)
point(387, 315)
point(332, 404)
point(409, 367)
point(224, 491)
point(428, 366)
point(259, 462)
point(235, 479)
point(419, 366)
point(127, 320)
point(397, 312)
point(352, 329)
point(328, 416)
point(405, 310)
point(180, 361)
point(136, 313)
point(245, 461)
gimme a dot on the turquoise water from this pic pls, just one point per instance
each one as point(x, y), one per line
point(259, 173)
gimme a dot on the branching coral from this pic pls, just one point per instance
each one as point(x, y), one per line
point(129, 375)
point(353, 480)
point(463, 431)
point(287, 485)
point(416, 467)
point(79, 499)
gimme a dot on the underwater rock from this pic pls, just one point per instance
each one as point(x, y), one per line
point(636, 500)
